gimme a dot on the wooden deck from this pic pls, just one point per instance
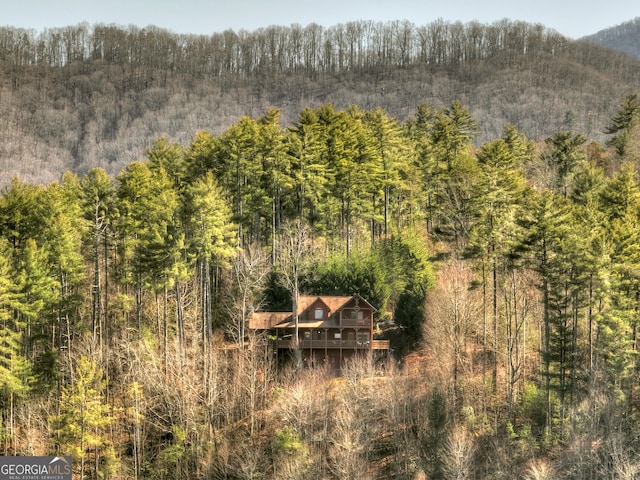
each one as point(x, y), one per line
point(335, 344)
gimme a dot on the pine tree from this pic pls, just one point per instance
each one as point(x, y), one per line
point(99, 205)
point(210, 239)
point(81, 428)
point(151, 242)
point(40, 291)
point(561, 258)
point(15, 370)
point(391, 152)
point(239, 170)
point(307, 144)
point(277, 180)
point(617, 323)
point(500, 196)
point(169, 157)
point(65, 229)
point(444, 143)
point(564, 154)
point(623, 124)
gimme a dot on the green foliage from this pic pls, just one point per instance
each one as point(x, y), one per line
point(408, 269)
point(532, 407)
point(623, 124)
point(287, 443)
point(170, 458)
point(15, 369)
point(409, 311)
point(564, 154)
point(207, 221)
point(358, 273)
point(394, 276)
point(277, 297)
point(81, 428)
point(290, 453)
point(167, 156)
point(351, 190)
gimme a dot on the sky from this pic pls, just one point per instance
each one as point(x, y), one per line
point(572, 18)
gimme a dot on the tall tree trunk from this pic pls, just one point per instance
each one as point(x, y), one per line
point(495, 322)
point(96, 319)
point(179, 312)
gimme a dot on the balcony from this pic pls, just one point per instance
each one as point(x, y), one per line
point(353, 322)
point(333, 344)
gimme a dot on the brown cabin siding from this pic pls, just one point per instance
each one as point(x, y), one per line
point(331, 329)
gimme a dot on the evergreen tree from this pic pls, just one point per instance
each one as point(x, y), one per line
point(150, 239)
point(307, 143)
point(391, 152)
point(617, 323)
point(40, 291)
point(99, 204)
point(277, 180)
point(621, 195)
point(564, 154)
point(349, 157)
point(65, 229)
point(210, 239)
point(500, 197)
point(623, 124)
point(239, 170)
point(15, 370)
point(81, 427)
point(453, 130)
point(448, 169)
point(169, 157)
point(561, 258)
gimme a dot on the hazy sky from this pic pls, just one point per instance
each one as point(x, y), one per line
point(573, 18)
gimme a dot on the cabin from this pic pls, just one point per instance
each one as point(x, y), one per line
point(331, 330)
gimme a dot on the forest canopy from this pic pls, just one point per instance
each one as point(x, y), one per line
point(506, 271)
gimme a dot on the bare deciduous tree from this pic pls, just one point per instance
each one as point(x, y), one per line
point(458, 455)
point(296, 248)
point(453, 313)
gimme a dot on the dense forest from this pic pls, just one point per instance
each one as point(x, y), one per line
point(83, 96)
point(478, 184)
point(504, 273)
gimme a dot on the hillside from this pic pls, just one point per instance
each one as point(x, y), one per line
point(86, 96)
point(624, 37)
point(504, 273)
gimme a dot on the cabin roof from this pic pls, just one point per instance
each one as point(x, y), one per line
point(269, 320)
point(266, 320)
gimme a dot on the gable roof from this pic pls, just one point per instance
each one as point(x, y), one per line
point(268, 320)
point(332, 303)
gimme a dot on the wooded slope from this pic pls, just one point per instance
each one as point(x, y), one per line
point(510, 270)
point(624, 37)
point(86, 96)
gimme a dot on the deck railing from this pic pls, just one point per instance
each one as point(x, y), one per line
point(354, 322)
point(354, 344)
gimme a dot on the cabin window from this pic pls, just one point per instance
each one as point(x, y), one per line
point(357, 314)
point(319, 314)
point(337, 335)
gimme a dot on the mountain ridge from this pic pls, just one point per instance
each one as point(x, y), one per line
point(84, 97)
point(624, 37)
